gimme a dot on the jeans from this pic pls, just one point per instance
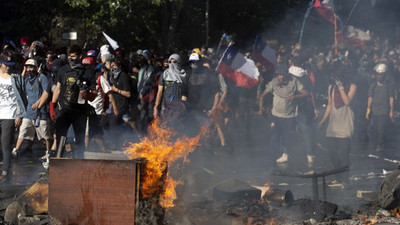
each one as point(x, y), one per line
point(78, 120)
point(305, 127)
point(339, 152)
point(282, 132)
point(381, 123)
point(7, 137)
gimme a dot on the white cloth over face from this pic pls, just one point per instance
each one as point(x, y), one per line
point(174, 72)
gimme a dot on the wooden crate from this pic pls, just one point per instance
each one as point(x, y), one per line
point(93, 191)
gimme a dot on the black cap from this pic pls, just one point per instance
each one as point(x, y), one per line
point(57, 63)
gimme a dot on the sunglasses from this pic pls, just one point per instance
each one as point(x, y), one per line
point(172, 61)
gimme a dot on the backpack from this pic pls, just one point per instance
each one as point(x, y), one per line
point(151, 94)
point(72, 82)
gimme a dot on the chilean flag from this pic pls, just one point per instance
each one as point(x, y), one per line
point(235, 67)
point(264, 54)
point(326, 10)
point(355, 36)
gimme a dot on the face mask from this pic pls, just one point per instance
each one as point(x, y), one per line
point(116, 72)
point(32, 74)
point(193, 65)
point(75, 63)
point(175, 66)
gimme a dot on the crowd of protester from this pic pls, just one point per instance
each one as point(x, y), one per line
point(71, 98)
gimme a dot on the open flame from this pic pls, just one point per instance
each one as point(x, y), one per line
point(268, 191)
point(397, 211)
point(158, 149)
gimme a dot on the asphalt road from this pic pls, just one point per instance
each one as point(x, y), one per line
point(250, 161)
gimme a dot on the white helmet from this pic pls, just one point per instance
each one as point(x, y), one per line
point(381, 68)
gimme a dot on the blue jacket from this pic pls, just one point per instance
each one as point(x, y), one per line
point(17, 83)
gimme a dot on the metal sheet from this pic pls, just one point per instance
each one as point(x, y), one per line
point(93, 191)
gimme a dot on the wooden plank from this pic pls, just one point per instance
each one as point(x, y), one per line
point(92, 191)
point(311, 175)
point(35, 198)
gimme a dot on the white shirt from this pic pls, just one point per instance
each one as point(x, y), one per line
point(8, 99)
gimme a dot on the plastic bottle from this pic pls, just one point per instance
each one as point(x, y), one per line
point(37, 122)
point(82, 89)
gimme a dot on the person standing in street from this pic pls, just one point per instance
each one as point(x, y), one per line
point(286, 90)
point(380, 104)
point(35, 120)
point(12, 107)
point(74, 86)
point(340, 127)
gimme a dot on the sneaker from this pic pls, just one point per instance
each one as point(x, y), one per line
point(283, 158)
point(310, 159)
point(3, 178)
point(46, 164)
point(14, 153)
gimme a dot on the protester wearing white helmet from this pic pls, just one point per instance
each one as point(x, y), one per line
point(380, 104)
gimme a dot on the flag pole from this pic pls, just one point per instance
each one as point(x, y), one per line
point(335, 33)
point(351, 12)
point(305, 18)
point(219, 45)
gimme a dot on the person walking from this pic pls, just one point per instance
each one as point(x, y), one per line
point(286, 89)
point(12, 107)
point(73, 84)
point(35, 120)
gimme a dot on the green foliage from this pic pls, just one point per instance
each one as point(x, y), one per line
point(152, 24)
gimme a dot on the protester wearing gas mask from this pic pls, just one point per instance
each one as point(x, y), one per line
point(286, 90)
point(35, 120)
point(71, 93)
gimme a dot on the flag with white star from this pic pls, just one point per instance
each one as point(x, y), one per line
point(235, 67)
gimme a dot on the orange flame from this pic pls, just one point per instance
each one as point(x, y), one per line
point(269, 191)
point(158, 149)
point(396, 211)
